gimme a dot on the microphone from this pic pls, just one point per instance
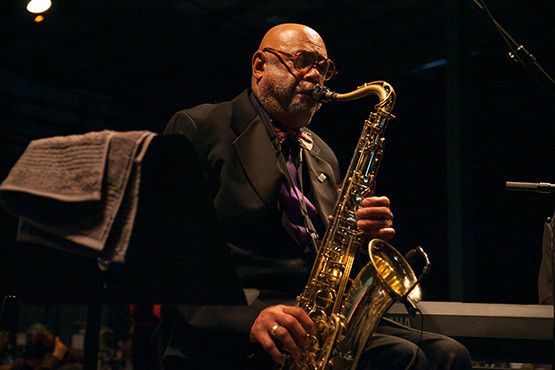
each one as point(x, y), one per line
point(411, 256)
point(415, 256)
point(539, 187)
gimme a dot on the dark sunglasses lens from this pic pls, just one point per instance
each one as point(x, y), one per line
point(304, 61)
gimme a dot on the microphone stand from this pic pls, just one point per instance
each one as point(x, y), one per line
point(552, 247)
point(545, 188)
point(518, 52)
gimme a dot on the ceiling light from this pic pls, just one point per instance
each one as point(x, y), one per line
point(38, 6)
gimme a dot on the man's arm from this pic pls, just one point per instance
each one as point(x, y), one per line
point(293, 324)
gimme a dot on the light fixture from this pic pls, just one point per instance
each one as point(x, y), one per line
point(38, 6)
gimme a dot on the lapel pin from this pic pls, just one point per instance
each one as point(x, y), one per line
point(322, 177)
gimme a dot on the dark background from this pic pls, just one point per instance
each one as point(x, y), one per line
point(468, 118)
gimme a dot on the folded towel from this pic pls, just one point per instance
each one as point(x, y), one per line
point(78, 193)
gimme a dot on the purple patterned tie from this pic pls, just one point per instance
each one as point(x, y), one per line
point(290, 196)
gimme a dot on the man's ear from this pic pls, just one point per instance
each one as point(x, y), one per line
point(258, 64)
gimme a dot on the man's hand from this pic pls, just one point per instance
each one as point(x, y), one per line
point(375, 218)
point(289, 325)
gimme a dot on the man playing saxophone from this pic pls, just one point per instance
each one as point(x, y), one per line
point(274, 183)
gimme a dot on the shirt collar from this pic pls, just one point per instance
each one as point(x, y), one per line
point(276, 131)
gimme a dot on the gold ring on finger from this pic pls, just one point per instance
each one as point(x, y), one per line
point(273, 330)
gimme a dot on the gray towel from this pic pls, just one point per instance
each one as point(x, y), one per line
point(78, 193)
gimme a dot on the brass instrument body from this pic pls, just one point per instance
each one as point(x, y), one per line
point(344, 321)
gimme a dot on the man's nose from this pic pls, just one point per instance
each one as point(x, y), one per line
point(313, 75)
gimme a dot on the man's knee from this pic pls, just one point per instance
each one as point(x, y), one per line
point(447, 353)
point(388, 352)
point(458, 356)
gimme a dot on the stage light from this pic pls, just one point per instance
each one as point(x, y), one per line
point(38, 6)
point(39, 18)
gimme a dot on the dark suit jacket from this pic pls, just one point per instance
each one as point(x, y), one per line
point(242, 172)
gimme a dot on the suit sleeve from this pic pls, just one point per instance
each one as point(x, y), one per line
point(181, 123)
point(192, 326)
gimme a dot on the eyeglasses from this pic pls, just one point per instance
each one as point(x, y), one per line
point(303, 61)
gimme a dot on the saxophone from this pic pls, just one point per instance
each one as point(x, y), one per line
point(345, 311)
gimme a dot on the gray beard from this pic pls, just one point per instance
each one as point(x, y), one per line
point(274, 100)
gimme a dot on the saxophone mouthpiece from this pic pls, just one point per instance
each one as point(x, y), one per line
point(322, 94)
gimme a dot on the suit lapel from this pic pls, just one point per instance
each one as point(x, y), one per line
point(322, 181)
point(258, 159)
point(255, 151)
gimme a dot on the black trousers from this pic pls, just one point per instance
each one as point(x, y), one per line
point(392, 346)
point(395, 346)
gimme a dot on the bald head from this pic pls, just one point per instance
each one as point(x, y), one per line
point(284, 91)
point(283, 35)
point(288, 37)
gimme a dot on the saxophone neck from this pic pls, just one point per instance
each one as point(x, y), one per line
point(382, 89)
